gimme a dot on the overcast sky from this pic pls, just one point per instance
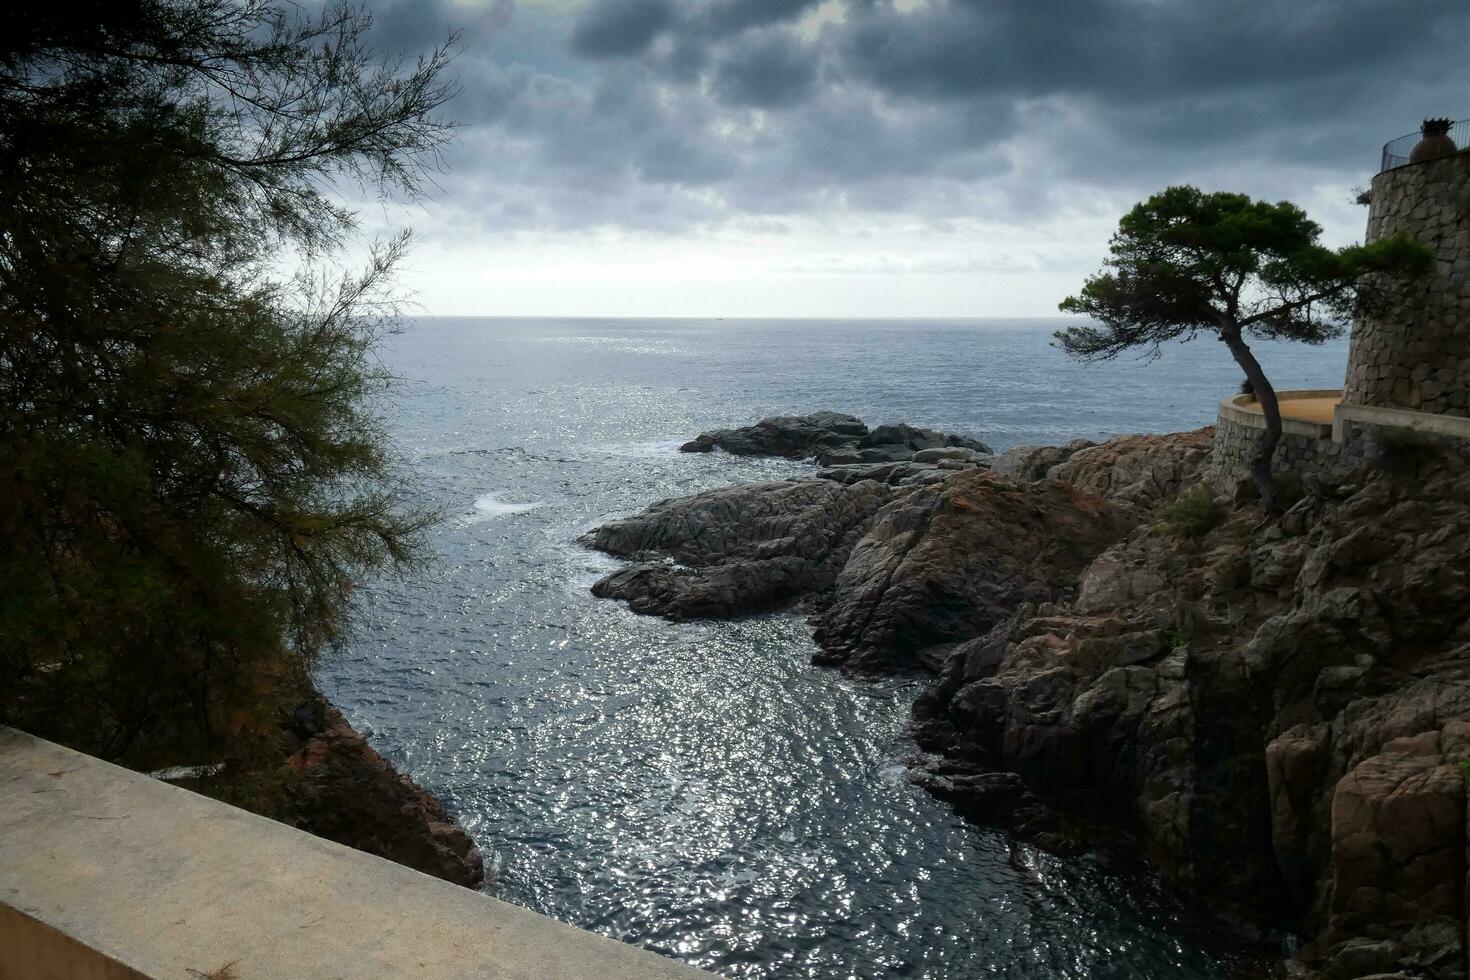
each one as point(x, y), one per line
point(885, 157)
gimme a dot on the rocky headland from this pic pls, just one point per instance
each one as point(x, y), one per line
point(1272, 709)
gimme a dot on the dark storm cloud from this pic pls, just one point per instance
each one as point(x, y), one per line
point(662, 114)
point(729, 16)
point(618, 28)
point(1132, 48)
point(765, 70)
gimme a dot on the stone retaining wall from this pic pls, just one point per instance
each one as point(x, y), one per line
point(1236, 444)
point(1311, 449)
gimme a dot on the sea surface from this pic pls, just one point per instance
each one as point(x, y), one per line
point(701, 789)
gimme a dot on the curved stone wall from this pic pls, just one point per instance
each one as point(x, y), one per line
point(1304, 446)
point(1415, 354)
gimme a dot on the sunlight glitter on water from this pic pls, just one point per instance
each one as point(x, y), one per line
point(701, 789)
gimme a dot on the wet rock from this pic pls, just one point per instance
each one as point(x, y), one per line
point(346, 792)
point(792, 436)
point(737, 550)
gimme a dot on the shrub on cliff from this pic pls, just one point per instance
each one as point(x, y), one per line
point(1192, 514)
point(1185, 262)
point(195, 477)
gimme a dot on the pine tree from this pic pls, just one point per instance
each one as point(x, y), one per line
point(1185, 263)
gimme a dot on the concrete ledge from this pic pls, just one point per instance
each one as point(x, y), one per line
point(1347, 416)
point(107, 874)
point(1236, 409)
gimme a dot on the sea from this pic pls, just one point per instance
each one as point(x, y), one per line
point(700, 789)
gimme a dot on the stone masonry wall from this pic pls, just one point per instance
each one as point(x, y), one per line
point(1316, 459)
point(1415, 353)
point(1236, 444)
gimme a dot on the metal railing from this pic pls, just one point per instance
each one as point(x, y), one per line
point(1396, 151)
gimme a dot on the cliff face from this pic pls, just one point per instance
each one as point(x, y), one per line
point(345, 791)
point(1276, 714)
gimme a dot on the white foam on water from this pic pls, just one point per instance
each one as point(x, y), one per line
point(489, 506)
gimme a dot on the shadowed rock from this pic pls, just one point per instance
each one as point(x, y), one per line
point(736, 550)
point(1278, 711)
point(949, 560)
point(345, 791)
point(830, 437)
point(792, 436)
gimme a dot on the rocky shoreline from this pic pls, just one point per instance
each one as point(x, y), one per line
point(344, 790)
point(1272, 710)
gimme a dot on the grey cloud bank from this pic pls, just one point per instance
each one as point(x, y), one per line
point(663, 117)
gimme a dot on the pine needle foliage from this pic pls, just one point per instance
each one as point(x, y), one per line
point(1187, 263)
point(195, 473)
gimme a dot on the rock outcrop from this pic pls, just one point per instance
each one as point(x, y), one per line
point(737, 550)
point(345, 791)
point(947, 561)
point(1275, 713)
point(830, 437)
point(1139, 472)
point(1034, 462)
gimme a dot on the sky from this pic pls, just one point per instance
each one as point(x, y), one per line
point(883, 158)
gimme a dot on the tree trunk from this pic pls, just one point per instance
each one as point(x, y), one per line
point(1270, 408)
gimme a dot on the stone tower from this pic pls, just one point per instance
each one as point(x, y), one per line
point(1415, 353)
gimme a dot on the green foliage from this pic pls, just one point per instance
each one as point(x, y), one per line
point(1288, 488)
point(196, 477)
point(1192, 514)
point(1185, 262)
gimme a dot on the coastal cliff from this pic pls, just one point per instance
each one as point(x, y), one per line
point(312, 770)
point(343, 790)
point(1272, 710)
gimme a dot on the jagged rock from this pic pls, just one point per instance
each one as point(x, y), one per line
point(1034, 462)
point(345, 791)
point(740, 549)
point(833, 438)
point(896, 474)
point(792, 436)
point(915, 439)
point(1139, 471)
point(947, 561)
point(874, 455)
point(958, 453)
point(1278, 711)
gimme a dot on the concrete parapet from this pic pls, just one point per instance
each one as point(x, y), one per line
point(108, 874)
